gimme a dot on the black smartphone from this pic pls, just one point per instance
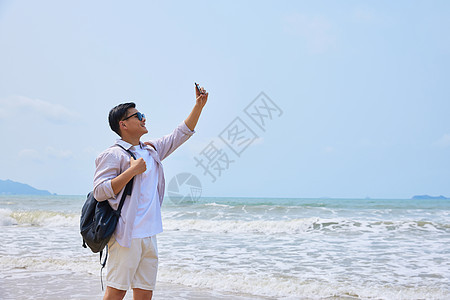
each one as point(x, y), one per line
point(198, 88)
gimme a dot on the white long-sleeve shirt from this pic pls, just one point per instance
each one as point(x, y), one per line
point(114, 161)
point(148, 216)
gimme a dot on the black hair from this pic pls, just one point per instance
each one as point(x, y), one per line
point(117, 113)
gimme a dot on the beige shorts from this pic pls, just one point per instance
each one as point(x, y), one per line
point(134, 267)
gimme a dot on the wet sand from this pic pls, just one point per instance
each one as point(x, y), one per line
point(22, 284)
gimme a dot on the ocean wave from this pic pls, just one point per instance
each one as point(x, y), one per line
point(5, 217)
point(280, 286)
point(289, 287)
point(217, 204)
point(297, 226)
point(38, 218)
point(82, 264)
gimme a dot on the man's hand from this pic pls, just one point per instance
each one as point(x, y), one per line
point(201, 96)
point(138, 165)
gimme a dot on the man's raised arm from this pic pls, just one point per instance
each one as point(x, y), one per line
point(201, 98)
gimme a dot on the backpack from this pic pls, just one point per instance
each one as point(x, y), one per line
point(98, 221)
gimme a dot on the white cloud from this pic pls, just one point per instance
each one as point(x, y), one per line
point(44, 154)
point(30, 154)
point(92, 151)
point(444, 141)
point(58, 153)
point(316, 30)
point(20, 105)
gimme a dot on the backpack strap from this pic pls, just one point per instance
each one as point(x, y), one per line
point(103, 264)
point(128, 187)
point(151, 145)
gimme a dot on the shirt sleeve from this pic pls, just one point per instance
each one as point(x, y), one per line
point(167, 144)
point(107, 167)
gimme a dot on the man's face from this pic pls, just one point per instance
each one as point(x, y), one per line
point(133, 124)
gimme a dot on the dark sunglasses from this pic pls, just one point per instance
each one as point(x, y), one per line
point(138, 115)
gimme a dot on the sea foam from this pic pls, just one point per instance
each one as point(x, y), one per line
point(5, 217)
point(290, 287)
point(297, 226)
point(38, 218)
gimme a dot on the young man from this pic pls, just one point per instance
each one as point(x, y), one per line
point(133, 252)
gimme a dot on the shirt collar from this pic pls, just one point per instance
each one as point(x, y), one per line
point(127, 145)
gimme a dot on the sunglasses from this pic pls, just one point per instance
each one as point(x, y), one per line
point(138, 115)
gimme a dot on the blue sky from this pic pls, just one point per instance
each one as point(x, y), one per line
point(362, 86)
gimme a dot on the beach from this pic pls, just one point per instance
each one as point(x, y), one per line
point(242, 248)
point(70, 285)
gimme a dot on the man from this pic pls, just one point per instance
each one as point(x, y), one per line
point(133, 252)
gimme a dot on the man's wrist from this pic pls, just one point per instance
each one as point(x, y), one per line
point(198, 106)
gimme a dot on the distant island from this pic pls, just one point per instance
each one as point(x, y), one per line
point(419, 197)
point(9, 187)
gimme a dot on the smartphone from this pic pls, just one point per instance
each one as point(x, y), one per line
point(198, 88)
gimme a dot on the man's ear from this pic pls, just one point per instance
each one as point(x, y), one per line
point(122, 124)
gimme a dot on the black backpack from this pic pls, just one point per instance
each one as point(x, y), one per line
point(98, 221)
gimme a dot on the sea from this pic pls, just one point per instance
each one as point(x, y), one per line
point(241, 248)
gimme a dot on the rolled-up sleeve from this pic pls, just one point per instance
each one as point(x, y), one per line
point(167, 144)
point(107, 168)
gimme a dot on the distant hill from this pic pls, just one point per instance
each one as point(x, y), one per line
point(9, 187)
point(418, 197)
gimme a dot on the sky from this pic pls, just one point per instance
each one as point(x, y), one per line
point(307, 99)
